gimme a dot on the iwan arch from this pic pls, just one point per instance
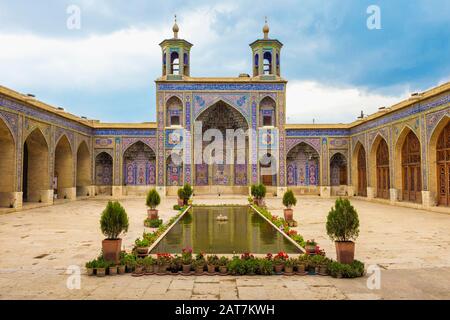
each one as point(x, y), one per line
point(399, 155)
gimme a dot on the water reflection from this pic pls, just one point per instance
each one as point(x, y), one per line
point(245, 231)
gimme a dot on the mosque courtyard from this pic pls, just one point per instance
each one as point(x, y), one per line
point(38, 245)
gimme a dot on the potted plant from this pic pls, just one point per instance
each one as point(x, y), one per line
point(265, 266)
point(175, 264)
point(101, 266)
point(180, 194)
point(162, 262)
point(140, 267)
point(236, 266)
point(343, 227)
point(187, 193)
point(113, 222)
point(112, 269)
point(199, 265)
point(142, 246)
point(129, 262)
point(153, 200)
point(258, 192)
point(310, 246)
point(186, 260)
point(302, 264)
point(223, 265)
point(153, 223)
point(251, 266)
point(90, 265)
point(279, 261)
point(211, 262)
point(289, 266)
point(289, 200)
point(148, 262)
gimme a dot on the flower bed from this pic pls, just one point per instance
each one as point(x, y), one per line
point(281, 224)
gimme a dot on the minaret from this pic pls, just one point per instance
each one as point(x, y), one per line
point(266, 56)
point(175, 56)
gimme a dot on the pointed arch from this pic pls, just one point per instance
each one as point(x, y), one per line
point(35, 170)
point(103, 173)
point(7, 163)
point(84, 178)
point(267, 112)
point(359, 170)
point(379, 178)
point(338, 169)
point(174, 111)
point(221, 100)
point(139, 164)
point(303, 165)
point(64, 167)
point(407, 166)
point(439, 164)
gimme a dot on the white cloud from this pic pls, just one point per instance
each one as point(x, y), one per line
point(127, 58)
point(308, 100)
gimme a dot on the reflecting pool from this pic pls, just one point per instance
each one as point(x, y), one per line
point(244, 231)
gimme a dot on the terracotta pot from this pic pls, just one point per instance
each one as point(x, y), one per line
point(111, 249)
point(310, 249)
point(323, 270)
point(186, 268)
point(288, 269)
point(211, 268)
point(288, 214)
point(90, 271)
point(152, 214)
point(121, 269)
point(156, 268)
point(180, 202)
point(301, 268)
point(199, 270)
point(112, 271)
point(279, 268)
point(142, 250)
point(100, 272)
point(345, 251)
point(139, 270)
point(223, 269)
point(149, 269)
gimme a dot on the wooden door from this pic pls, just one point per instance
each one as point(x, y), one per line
point(383, 180)
point(443, 167)
point(411, 169)
point(362, 173)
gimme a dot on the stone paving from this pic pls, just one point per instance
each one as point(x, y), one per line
point(38, 245)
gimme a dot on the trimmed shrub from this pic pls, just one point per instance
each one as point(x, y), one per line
point(342, 221)
point(289, 199)
point(153, 199)
point(114, 220)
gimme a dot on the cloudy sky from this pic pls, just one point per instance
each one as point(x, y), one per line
point(335, 65)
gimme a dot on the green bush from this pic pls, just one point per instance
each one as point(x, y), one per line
point(289, 199)
point(153, 199)
point(114, 220)
point(153, 223)
point(353, 270)
point(265, 267)
point(258, 191)
point(251, 266)
point(144, 243)
point(342, 221)
point(187, 193)
point(180, 193)
point(236, 266)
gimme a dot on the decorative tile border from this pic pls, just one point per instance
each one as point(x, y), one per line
point(221, 86)
point(125, 132)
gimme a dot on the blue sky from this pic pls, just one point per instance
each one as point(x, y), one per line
point(335, 65)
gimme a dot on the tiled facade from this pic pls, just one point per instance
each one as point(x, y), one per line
point(95, 152)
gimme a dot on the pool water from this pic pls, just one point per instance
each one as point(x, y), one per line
point(245, 231)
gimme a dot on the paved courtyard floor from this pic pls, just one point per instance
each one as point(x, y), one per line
point(412, 248)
